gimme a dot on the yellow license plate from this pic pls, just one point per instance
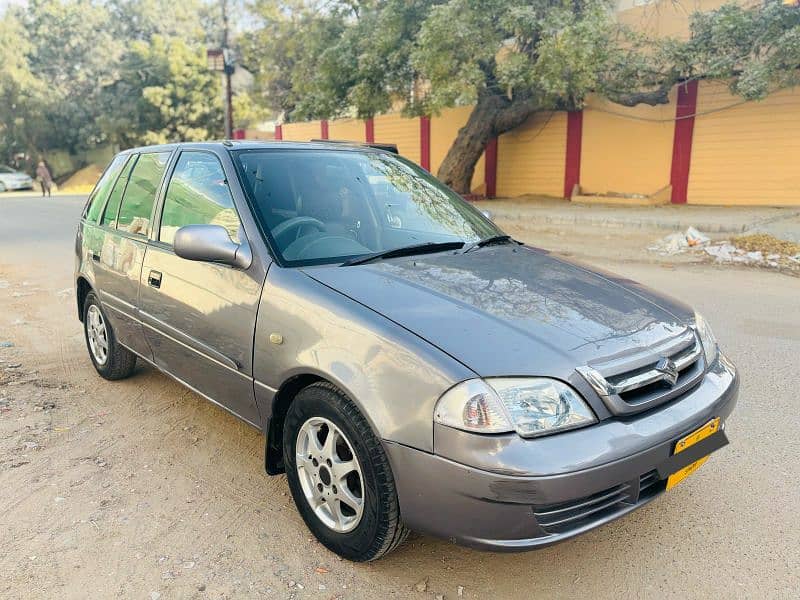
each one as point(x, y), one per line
point(686, 442)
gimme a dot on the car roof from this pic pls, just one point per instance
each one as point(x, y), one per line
point(230, 145)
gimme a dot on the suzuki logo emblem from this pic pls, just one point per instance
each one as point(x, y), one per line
point(667, 367)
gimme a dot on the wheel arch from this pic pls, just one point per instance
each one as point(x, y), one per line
point(283, 398)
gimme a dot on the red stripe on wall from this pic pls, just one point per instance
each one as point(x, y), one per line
point(369, 125)
point(682, 142)
point(490, 164)
point(278, 132)
point(323, 129)
point(572, 166)
point(425, 142)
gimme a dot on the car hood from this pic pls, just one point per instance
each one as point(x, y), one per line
point(511, 310)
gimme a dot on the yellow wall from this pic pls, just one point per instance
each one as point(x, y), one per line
point(746, 154)
point(664, 18)
point(626, 149)
point(444, 128)
point(530, 159)
point(394, 129)
point(301, 132)
point(352, 130)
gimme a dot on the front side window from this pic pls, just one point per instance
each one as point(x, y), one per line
point(103, 187)
point(140, 195)
point(198, 194)
point(326, 206)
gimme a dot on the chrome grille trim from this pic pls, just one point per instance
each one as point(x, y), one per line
point(620, 375)
point(607, 388)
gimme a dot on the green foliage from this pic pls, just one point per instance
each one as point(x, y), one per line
point(164, 93)
point(757, 48)
point(364, 57)
point(76, 74)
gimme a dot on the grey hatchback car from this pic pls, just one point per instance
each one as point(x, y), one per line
point(411, 366)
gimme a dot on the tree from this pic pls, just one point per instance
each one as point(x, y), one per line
point(19, 90)
point(512, 58)
point(71, 50)
point(164, 93)
point(76, 74)
point(286, 54)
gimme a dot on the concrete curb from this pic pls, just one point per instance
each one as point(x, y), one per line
point(715, 220)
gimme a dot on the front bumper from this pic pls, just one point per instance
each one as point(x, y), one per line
point(523, 494)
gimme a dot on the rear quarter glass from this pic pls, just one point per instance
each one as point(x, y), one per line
point(104, 187)
point(109, 217)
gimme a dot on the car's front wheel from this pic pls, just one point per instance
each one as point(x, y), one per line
point(339, 475)
point(109, 357)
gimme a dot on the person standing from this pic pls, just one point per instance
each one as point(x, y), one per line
point(44, 177)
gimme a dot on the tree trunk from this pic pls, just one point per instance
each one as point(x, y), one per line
point(493, 115)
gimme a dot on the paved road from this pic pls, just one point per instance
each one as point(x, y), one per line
point(39, 229)
point(139, 486)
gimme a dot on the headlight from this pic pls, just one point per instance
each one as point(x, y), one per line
point(531, 406)
point(710, 348)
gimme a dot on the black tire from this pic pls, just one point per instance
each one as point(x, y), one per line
point(120, 362)
point(380, 529)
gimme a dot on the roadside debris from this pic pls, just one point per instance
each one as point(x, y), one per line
point(675, 243)
point(760, 250)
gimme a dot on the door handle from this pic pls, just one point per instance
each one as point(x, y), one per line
point(95, 257)
point(154, 279)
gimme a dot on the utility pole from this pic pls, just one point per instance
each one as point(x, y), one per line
point(228, 69)
point(221, 60)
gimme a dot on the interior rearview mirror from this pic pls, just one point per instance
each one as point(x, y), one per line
point(211, 243)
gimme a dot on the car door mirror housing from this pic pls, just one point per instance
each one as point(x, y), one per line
point(211, 243)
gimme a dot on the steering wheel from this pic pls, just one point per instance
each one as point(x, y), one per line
point(295, 223)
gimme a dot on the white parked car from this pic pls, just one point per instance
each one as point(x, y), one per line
point(11, 179)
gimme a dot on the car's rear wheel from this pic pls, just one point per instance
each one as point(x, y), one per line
point(339, 475)
point(110, 359)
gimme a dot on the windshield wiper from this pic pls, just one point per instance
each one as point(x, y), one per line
point(426, 248)
point(495, 239)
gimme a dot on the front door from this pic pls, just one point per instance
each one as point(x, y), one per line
point(199, 317)
point(124, 227)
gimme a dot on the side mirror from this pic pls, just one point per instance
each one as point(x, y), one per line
point(211, 243)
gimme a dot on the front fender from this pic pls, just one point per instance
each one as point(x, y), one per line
point(394, 376)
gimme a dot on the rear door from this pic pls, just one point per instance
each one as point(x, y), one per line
point(125, 225)
point(199, 317)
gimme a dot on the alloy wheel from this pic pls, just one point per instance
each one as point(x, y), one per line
point(329, 474)
point(97, 334)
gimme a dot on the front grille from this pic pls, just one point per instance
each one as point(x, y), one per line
point(564, 517)
point(641, 380)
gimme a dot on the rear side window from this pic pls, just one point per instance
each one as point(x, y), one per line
point(103, 187)
point(140, 195)
point(112, 206)
point(198, 194)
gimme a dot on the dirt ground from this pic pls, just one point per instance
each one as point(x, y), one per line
point(141, 489)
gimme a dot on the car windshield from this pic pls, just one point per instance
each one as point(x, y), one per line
point(328, 206)
point(5, 169)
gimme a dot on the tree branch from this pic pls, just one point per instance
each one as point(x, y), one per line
point(660, 95)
